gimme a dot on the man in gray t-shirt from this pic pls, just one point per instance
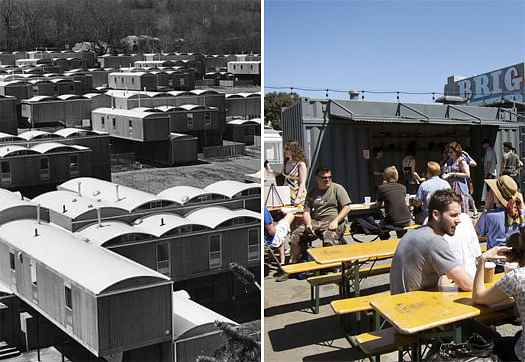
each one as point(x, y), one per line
point(422, 255)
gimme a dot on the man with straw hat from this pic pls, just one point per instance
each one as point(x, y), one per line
point(504, 213)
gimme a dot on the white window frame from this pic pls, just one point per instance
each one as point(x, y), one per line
point(163, 266)
point(254, 250)
point(215, 257)
point(189, 120)
point(44, 172)
point(73, 166)
point(6, 177)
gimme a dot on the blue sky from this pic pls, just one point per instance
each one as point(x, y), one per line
point(387, 45)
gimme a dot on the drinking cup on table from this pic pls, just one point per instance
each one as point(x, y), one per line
point(407, 198)
point(490, 267)
point(510, 267)
point(367, 200)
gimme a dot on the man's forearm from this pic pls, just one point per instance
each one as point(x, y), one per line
point(342, 214)
point(307, 218)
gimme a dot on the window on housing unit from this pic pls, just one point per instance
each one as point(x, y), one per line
point(12, 261)
point(207, 119)
point(32, 266)
point(253, 245)
point(114, 123)
point(181, 81)
point(102, 122)
point(163, 258)
point(189, 120)
point(44, 168)
point(215, 251)
point(132, 80)
point(186, 229)
point(34, 287)
point(68, 298)
point(73, 165)
point(5, 168)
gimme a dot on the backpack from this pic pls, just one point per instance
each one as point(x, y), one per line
point(368, 226)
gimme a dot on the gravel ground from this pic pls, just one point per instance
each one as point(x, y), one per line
point(154, 180)
point(293, 333)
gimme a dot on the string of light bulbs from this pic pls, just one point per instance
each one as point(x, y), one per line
point(362, 92)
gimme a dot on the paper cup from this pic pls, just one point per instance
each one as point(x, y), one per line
point(367, 200)
point(510, 267)
point(490, 267)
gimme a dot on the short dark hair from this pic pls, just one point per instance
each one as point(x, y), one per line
point(507, 144)
point(516, 242)
point(486, 140)
point(321, 170)
point(440, 199)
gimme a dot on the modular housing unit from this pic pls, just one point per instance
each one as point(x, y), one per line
point(19, 89)
point(340, 134)
point(199, 246)
point(133, 99)
point(243, 130)
point(133, 81)
point(105, 302)
point(69, 110)
point(243, 105)
point(8, 114)
point(135, 125)
point(115, 61)
point(10, 58)
point(246, 70)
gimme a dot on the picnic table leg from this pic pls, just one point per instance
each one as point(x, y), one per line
point(457, 332)
point(356, 286)
point(314, 291)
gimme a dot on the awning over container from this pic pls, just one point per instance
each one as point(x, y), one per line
point(412, 113)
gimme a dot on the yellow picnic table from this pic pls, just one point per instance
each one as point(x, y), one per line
point(419, 311)
point(353, 255)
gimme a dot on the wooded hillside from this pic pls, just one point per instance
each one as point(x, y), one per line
point(208, 26)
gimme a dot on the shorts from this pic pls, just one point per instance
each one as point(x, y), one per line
point(281, 231)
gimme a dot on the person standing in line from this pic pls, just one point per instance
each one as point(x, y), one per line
point(377, 167)
point(459, 173)
point(433, 183)
point(411, 178)
point(294, 172)
point(509, 162)
point(489, 160)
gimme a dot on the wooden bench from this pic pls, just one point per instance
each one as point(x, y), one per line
point(309, 266)
point(353, 305)
point(386, 340)
point(336, 278)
